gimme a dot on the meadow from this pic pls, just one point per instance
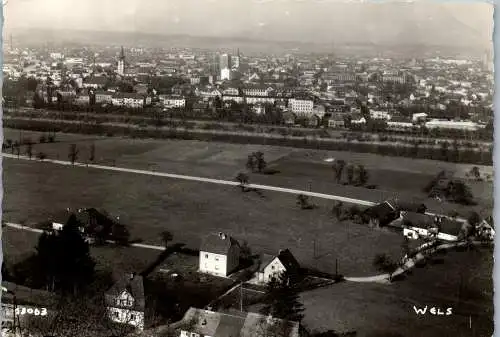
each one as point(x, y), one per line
point(299, 168)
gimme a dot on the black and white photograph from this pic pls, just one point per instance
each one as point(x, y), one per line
point(247, 168)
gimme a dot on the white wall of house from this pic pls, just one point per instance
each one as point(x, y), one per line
point(126, 316)
point(447, 237)
point(214, 264)
point(217, 264)
point(273, 269)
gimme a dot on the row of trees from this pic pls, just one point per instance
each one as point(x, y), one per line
point(356, 175)
point(443, 186)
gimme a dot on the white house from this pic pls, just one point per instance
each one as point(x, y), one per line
point(375, 114)
point(272, 266)
point(102, 97)
point(130, 100)
point(301, 106)
point(173, 101)
point(219, 255)
point(125, 301)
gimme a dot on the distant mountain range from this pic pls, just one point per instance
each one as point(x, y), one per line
point(413, 39)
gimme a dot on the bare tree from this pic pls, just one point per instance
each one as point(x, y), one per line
point(92, 153)
point(242, 178)
point(166, 237)
point(29, 149)
point(73, 153)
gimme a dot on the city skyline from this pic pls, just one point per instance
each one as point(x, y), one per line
point(332, 22)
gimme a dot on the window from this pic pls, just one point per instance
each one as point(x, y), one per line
point(206, 256)
point(216, 259)
point(116, 314)
point(272, 267)
point(132, 317)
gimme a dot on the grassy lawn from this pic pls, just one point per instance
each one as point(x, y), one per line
point(301, 169)
point(192, 210)
point(357, 306)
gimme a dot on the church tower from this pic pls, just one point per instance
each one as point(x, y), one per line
point(121, 63)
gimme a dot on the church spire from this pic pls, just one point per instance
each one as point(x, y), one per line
point(122, 54)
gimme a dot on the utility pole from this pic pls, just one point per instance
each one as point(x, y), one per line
point(336, 267)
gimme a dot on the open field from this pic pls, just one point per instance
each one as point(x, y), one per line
point(301, 169)
point(356, 306)
point(191, 210)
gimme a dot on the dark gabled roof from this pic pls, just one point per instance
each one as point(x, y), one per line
point(449, 226)
point(288, 260)
point(218, 243)
point(417, 220)
point(382, 210)
point(134, 286)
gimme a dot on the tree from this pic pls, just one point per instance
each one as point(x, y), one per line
point(384, 263)
point(303, 202)
point(29, 149)
point(350, 174)
point(63, 259)
point(282, 299)
point(362, 175)
point(245, 251)
point(41, 156)
point(73, 153)
point(17, 147)
point(251, 163)
point(337, 209)
point(338, 168)
point(261, 163)
point(475, 172)
point(242, 178)
point(405, 246)
point(8, 143)
point(92, 153)
point(166, 237)
point(473, 218)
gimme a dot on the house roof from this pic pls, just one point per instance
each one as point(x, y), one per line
point(381, 210)
point(286, 258)
point(417, 220)
point(133, 285)
point(234, 324)
point(218, 243)
point(449, 226)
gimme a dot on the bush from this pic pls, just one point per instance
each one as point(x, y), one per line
point(51, 139)
point(384, 263)
point(42, 139)
point(41, 155)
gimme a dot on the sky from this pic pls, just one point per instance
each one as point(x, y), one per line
point(319, 21)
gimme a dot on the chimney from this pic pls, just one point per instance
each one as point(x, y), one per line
point(280, 251)
point(67, 209)
point(222, 236)
point(132, 275)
